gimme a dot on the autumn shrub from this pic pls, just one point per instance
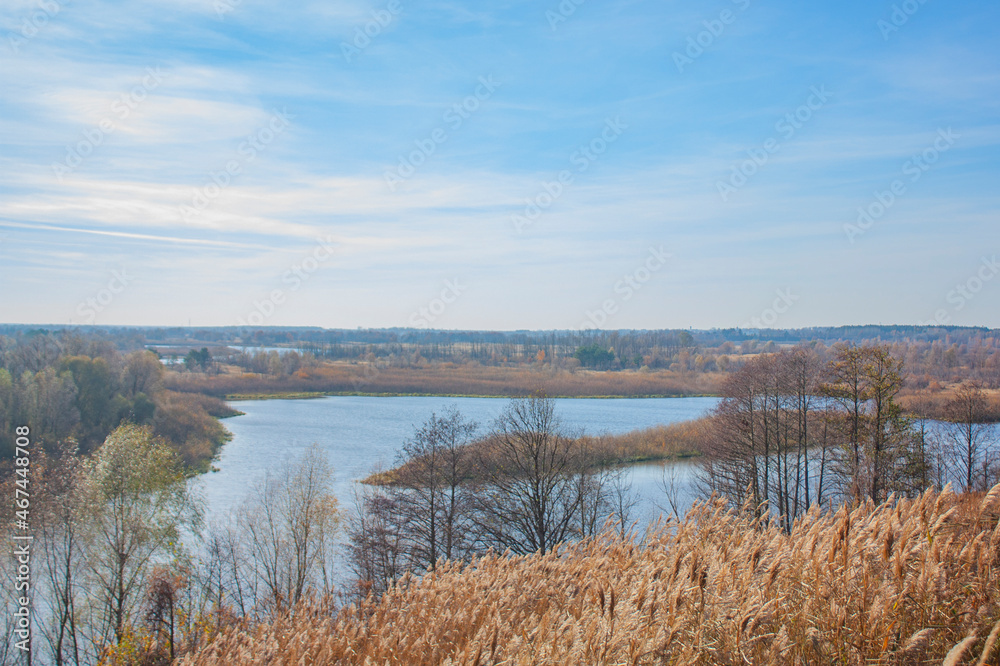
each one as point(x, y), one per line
point(188, 422)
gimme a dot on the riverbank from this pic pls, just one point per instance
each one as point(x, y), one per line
point(312, 395)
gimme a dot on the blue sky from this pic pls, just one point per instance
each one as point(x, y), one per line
point(499, 165)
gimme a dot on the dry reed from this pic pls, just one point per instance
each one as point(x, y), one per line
point(911, 581)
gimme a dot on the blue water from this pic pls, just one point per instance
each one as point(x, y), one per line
point(363, 433)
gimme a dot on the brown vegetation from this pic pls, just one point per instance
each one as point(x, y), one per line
point(190, 421)
point(932, 402)
point(910, 581)
point(662, 442)
point(451, 379)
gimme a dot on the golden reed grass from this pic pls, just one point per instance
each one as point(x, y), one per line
point(454, 379)
point(906, 582)
point(661, 442)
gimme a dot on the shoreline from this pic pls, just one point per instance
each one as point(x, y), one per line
point(312, 395)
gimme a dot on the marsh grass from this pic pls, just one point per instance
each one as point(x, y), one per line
point(910, 581)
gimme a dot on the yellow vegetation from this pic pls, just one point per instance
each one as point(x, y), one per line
point(906, 582)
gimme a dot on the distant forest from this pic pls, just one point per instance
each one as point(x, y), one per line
point(616, 349)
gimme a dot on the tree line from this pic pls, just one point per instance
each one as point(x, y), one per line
point(817, 426)
point(71, 387)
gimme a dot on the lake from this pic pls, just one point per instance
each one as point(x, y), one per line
point(360, 433)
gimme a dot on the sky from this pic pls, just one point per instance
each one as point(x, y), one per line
point(499, 165)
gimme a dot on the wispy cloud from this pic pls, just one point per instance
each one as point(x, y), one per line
point(223, 75)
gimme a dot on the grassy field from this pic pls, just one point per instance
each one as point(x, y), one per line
point(907, 582)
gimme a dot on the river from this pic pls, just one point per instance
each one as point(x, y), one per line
point(360, 433)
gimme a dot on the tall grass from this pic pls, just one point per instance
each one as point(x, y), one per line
point(661, 442)
point(906, 582)
point(453, 379)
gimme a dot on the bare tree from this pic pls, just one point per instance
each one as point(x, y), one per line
point(58, 535)
point(433, 469)
point(136, 504)
point(623, 501)
point(670, 483)
point(289, 522)
point(377, 548)
point(224, 575)
point(529, 497)
point(803, 369)
point(737, 463)
point(971, 438)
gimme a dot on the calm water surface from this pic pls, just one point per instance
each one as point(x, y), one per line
point(360, 433)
